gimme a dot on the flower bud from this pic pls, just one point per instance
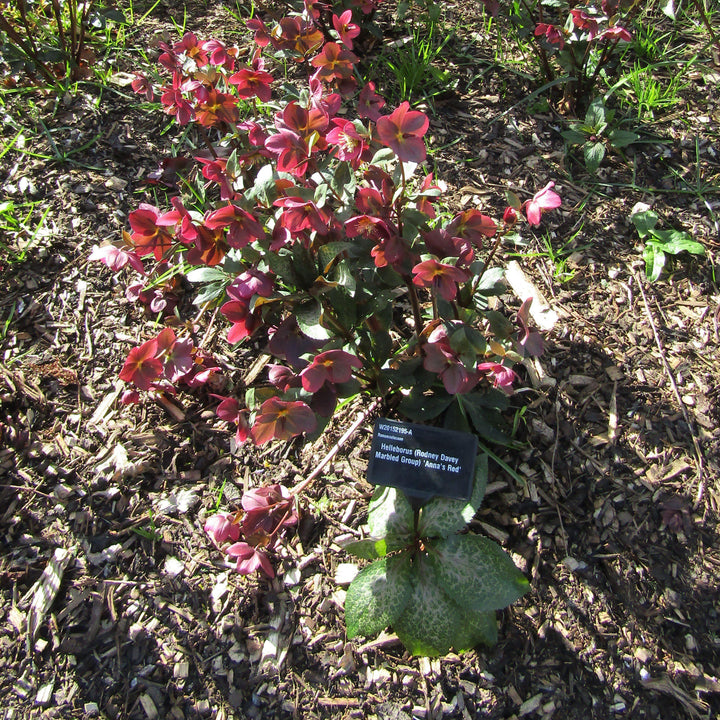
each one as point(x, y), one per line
point(510, 216)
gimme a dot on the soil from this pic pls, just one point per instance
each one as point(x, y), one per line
point(611, 509)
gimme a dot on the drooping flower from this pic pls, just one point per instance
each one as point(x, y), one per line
point(116, 258)
point(552, 34)
point(545, 199)
point(221, 528)
point(229, 410)
point(503, 377)
point(370, 103)
point(249, 559)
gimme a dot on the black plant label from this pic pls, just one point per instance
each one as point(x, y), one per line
point(422, 461)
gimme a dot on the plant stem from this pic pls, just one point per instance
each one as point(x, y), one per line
point(490, 257)
point(415, 303)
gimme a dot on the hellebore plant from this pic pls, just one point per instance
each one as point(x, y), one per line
point(574, 43)
point(597, 133)
point(438, 589)
point(315, 233)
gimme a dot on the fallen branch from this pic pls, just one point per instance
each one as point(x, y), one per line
point(304, 484)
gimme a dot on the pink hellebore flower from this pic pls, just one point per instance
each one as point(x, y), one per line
point(370, 103)
point(177, 354)
point(583, 21)
point(503, 377)
point(349, 145)
point(116, 259)
point(617, 33)
point(250, 559)
point(333, 366)
point(545, 199)
point(221, 528)
point(345, 28)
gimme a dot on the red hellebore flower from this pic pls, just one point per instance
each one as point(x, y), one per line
point(148, 236)
point(282, 420)
point(142, 367)
point(252, 83)
point(242, 227)
point(553, 35)
point(439, 276)
point(403, 132)
point(545, 199)
point(333, 366)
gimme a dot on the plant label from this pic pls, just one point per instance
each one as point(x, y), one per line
point(422, 461)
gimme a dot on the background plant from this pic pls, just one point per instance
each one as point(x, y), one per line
point(574, 44)
point(660, 243)
point(597, 133)
point(51, 38)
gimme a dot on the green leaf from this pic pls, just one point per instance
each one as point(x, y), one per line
point(595, 115)
point(676, 241)
point(383, 155)
point(475, 628)
point(593, 154)
point(499, 324)
point(654, 261)
point(308, 316)
point(492, 283)
point(281, 263)
point(486, 420)
point(644, 222)
point(209, 292)
point(390, 514)
point(477, 571)
point(378, 595)
point(373, 548)
point(623, 138)
point(421, 407)
point(328, 252)
point(442, 516)
point(206, 274)
point(430, 621)
point(574, 137)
